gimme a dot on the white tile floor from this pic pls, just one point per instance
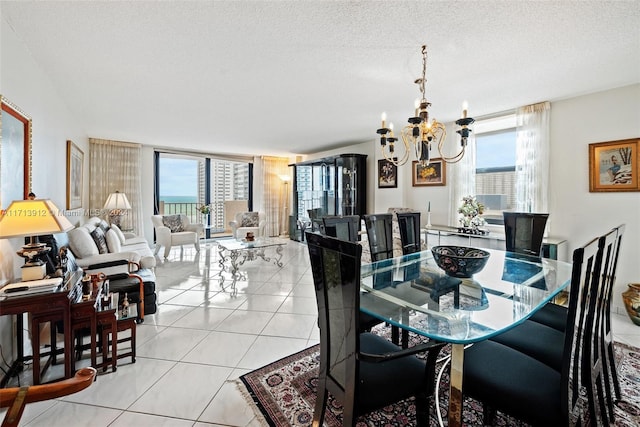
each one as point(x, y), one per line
point(201, 339)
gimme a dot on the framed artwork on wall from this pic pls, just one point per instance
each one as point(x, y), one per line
point(75, 165)
point(15, 153)
point(614, 166)
point(387, 174)
point(435, 173)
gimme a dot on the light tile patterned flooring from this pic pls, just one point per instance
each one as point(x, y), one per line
point(201, 339)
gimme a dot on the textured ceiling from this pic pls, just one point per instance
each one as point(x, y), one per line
point(277, 77)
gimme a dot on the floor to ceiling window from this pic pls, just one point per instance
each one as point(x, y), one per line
point(186, 182)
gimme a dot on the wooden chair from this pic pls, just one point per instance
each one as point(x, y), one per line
point(531, 390)
point(409, 226)
point(363, 371)
point(16, 398)
point(524, 232)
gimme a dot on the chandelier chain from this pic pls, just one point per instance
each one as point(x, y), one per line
point(423, 81)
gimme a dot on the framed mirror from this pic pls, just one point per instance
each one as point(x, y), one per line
point(15, 153)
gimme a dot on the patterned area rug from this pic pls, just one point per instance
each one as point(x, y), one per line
point(283, 394)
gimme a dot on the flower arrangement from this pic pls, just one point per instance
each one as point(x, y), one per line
point(204, 209)
point(471, 211)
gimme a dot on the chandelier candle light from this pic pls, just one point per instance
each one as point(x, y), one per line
point(420, 134)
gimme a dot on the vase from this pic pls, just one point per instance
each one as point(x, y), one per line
point(631, 299)
point(205, 219)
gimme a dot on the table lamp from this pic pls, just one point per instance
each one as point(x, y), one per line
point(32, 218)
point(115, 204)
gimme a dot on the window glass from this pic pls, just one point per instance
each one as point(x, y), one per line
point(495, 172)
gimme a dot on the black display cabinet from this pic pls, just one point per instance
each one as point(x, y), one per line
point(328, 186)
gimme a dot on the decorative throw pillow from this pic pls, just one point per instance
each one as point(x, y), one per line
point(113, 241)
point(104, 225)
point(250, 219)
point(174, 222)
point(81, 243)
point(119, 233)
point(101, 241)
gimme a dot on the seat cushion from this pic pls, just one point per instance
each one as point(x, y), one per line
point(132, 287)
point(539, 341)
point(399, 378)
point(552, 315)
point(510, 381)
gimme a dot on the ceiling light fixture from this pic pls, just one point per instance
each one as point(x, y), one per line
point(420, 134)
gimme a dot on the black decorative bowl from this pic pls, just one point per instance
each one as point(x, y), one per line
point(460, 261)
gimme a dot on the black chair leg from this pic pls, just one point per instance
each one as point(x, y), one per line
point(321, 404)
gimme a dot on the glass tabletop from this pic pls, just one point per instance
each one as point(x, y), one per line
point(413, 293)
point(232, 244)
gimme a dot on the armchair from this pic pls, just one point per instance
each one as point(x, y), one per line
point(175, 230)
point(245, 222)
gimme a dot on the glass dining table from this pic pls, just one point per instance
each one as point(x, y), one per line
point(413, 293)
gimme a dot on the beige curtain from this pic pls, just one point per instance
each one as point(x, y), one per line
point(274, 199)
point(115, 166)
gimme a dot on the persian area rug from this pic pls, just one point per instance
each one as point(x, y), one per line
point(283, 394)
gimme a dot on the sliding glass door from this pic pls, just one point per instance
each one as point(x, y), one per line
point(186, 183)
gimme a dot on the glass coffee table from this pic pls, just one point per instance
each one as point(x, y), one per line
point(234, 253)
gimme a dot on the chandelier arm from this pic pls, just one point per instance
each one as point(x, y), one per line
point(452, 159)
point(397, 161)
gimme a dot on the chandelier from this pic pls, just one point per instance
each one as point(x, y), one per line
point(420, 134)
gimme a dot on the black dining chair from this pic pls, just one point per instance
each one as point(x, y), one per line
point(363, 371)
point(380, 234)
point(508, 380)
point(409, 226)
point(342, 227)
point(550, 322)
point(524, 232)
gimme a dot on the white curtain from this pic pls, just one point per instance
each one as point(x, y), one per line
point(274, 199)
point(532, 158)
point(115, 166)
point(463, 179)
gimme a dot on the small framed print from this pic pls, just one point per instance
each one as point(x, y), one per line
point(75, 165)
point(434, 173)
point(387, 174)
point(614, 166)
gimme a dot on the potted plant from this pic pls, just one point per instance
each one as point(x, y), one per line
point(471, 216)
point(205, 210)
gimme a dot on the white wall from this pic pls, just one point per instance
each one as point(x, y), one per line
point(577, 214)
point(26, 85)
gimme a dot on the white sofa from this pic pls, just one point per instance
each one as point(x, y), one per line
point(96, 242)
point(176, 230)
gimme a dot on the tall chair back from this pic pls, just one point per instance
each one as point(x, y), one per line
point(524, 232)
point(409, 225)
point(582, 368)
point(363, 371)
point(342, 227)
point(602, 326)
point(380, 234)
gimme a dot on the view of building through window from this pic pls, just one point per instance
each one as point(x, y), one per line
point(495, 172)
point(182, 182)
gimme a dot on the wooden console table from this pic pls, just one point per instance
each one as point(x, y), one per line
point(44, 307)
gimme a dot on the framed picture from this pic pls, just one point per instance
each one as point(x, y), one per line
point(15, 153)
point(614, 166)
point(387, 174)
point(435, 173)
point(75, 164)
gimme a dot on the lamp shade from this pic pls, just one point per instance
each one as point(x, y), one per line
point(32, 218)
point(117, 200)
